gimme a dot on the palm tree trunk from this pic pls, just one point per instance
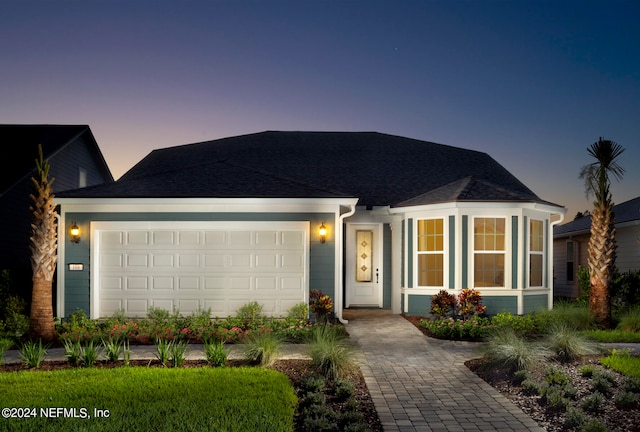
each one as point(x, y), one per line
point(41, 322)
point(601, 261)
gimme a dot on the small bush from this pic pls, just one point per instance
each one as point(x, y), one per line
point(520, 376)
point(631, 384)
point(250, 313)
point(33, 353)
point(178, 353)
point(555, 398)
point(602, 381)
point(470, 303)
point(567, 343)
point(262, 347)
point(299, 312)
point(163, 350)
point(531, 387)
point(522, 325)
point(343, 389)
point(5, 344)
point(626, 400)
point(215, 353)
point(594, 403)
point(505, 349)
point(113, 348)
point(574, 418)
point(442, 304)
point(623, 362)
point(630, 320)
point(330, 352)
point(72, 352)
point(313, 383)
point(555, 377)
point(89, 354)
point(593, 425)
point(586, 371)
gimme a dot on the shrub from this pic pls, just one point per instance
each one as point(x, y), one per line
point(631, 384)
point(522, 325)
point(449, 328)
point(343, 389)
point(262, 347)
point(313, 383)
point(586, 371)
point(567, 344)
point(72, 351)
point(113, 348)
point(506, 349)
point(626, 400)
point(630, 320)
point(89, 354)
point(574, 418)
point(163, 350)
point(178, 353)
point(320, 304)
point(299, 312)
point(331, 354)
point(442, 304)
point(622, 361)
point(5, 344)
point(469, 303)
point(594, 403)
point(33, 353)
point(250, 313)
point(555, 398)
point(215, 353)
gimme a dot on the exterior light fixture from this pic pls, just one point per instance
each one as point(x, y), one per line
point(323, 233)
point(74, 233)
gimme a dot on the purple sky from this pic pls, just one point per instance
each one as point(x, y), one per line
point(532, 83)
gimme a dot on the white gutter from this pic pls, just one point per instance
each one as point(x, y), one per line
point(339, 261)
point(550, 258)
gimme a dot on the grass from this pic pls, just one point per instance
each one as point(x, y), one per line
point(612, 336)
point(159, 399)
point(331, 352)
point(623, 362)
point(263, 347)
point(505, 348)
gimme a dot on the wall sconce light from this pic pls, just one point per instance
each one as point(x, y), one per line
point(74, 233)
point(323, 233)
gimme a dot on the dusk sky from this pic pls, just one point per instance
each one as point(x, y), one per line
point(532, 83)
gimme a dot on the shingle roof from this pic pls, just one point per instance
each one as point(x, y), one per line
point(19, 144)
point(378, 169)
point(625, 212)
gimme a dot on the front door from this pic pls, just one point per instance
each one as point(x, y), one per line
point(364, 265)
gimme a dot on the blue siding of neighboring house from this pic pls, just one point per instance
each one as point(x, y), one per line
point(77, 284)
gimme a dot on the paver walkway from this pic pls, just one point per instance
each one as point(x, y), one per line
point(421, 384)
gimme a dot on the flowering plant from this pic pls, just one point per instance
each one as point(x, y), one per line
point(442, 304)
point(320, 304)
point(469, 303)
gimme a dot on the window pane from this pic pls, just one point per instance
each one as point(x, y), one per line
point(489, 234)
point(489, 270)
point(430, 270)
point(430, 235)
point(535, 272)
point(536, 236)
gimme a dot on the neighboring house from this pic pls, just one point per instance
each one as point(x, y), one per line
point(75, 161)
point(219, 224)
point(570, 246)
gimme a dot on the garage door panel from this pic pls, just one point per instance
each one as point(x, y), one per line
point(192, 269)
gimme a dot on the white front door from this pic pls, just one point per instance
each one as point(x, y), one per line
point(364, 265)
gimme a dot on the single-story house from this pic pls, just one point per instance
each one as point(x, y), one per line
point(571, 240)
point(372, 220)
point(75, 161)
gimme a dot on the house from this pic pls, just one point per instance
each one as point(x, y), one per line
point(372, 220)
point(75, 161)
point(570, 246)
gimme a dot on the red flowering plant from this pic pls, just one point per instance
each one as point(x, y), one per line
point(469, 303)
point(320, 304)
point(442, 304)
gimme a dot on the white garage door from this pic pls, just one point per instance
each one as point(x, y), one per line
point(191, 266)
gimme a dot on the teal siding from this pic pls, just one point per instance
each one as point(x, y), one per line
point(403, 258)
point(498, 304)
point(386, 267)
point(534, 303)
point(546, 254)
point(419, 305)
point(465, 251)
point(77, 284)
point(514, 252)
point(452, 252)
point(525, 253)
point(410, 253)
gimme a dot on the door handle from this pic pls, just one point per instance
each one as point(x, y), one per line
point(377, 276)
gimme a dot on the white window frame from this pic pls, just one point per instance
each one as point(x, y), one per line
point(506, 273)
point(443, 252)
point(530, 253)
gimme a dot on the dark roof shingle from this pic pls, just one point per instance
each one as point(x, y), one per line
point(378, 169)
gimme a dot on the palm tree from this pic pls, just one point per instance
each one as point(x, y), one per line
point(602, 243)
point(44, 242)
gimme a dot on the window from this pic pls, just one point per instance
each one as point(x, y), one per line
point(431, 252)
point(489, 252)
point(536, 253)
point(570, 261)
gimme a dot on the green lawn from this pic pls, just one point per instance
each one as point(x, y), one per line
point(149, 399)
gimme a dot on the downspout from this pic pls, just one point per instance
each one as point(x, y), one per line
point(550, 258)
point(340, 261)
